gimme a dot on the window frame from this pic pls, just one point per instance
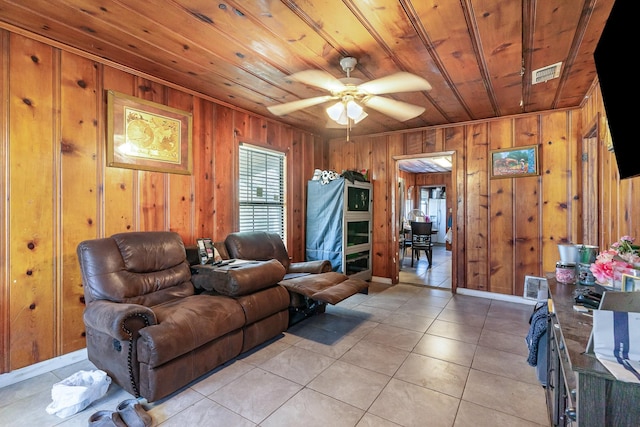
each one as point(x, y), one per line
point(247, 197)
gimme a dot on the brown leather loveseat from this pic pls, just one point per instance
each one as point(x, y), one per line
point(148, 328)
point(311, 284)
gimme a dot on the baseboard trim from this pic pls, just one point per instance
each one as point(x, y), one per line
point(496, 296)
point(385, 280)
point(42, 367)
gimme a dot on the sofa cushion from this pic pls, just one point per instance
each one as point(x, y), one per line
point(262, 304)
point(149, 251)
point(146, 268)
point(185, 324)
point(257, 245)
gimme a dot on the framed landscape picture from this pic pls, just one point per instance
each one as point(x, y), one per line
point(146, 135)
point(514, 162)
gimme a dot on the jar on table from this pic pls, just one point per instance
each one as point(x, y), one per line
point(566, 272)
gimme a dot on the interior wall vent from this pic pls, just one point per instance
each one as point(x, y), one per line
point(541, 75)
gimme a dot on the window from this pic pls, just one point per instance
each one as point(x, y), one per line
point(261, 190)
point(424, 199)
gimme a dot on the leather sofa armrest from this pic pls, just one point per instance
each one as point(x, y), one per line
point(313, 267)
point(239, 279)
point(118, 319)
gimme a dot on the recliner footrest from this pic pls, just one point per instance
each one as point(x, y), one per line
point(330, 287)
point(341, 291)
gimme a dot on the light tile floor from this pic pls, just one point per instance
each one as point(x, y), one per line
point(403, 355)
point(438, 276)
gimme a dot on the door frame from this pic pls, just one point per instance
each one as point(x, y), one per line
point(395, 229)
point(590, 180)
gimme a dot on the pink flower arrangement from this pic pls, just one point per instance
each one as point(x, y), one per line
point(622, 254)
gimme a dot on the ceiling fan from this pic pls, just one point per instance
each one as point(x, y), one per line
point(352, 93)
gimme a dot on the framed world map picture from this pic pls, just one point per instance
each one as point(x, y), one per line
point(146, 135)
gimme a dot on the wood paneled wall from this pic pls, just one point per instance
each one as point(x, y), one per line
point(504, 229)
point(430, 180)
point(57, 191)
point(618, 201)
point(417, 180)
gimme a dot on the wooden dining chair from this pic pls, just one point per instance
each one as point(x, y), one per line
point(421, 240)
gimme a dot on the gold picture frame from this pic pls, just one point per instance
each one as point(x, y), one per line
point(514, 162)
point(630, 283)
point(148, 136)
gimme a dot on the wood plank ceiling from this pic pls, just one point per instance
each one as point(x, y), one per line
point(478, 55)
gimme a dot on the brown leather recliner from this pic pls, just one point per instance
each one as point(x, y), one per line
point(148, 329)
point(311, 284)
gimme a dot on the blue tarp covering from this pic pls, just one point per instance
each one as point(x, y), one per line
point(324, 221)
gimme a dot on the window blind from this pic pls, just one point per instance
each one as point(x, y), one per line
point(261, 190)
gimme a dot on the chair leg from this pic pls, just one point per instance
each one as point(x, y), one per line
point(429, 256)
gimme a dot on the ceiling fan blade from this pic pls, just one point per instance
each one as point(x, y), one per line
point(290, 107)
point(399, 110)
point(319, 78)
point(394, 83)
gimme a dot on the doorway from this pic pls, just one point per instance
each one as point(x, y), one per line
point(425, 179)
point(590, 202)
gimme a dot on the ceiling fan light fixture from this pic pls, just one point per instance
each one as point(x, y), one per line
point(361, 117)
point(344, 119)
point(354, 110)
point(343, 111)
point(335, 111)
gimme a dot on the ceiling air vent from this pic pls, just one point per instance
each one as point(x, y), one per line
point(541, 75)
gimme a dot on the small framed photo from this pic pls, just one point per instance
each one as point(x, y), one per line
point(536, 288)
point(514, 162)
point(630, 283)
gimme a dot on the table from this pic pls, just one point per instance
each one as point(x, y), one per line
point(579, 385)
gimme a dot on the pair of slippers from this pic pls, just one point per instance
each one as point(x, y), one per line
point(129, 413)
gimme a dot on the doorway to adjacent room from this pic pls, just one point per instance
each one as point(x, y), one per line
point(425, 184)
point(431, 203)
